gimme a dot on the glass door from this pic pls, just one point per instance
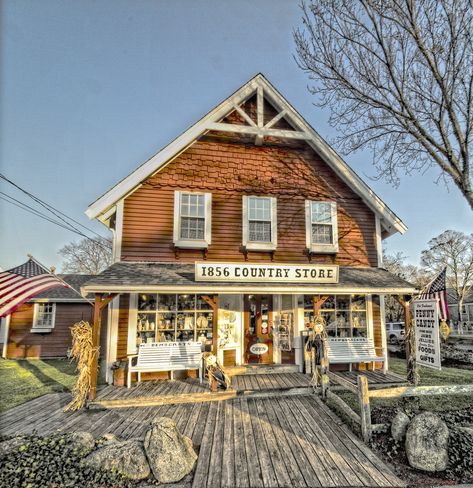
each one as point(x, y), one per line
point(258, 329)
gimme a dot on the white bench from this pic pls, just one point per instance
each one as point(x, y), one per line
point(166, 356)
point(353, 350)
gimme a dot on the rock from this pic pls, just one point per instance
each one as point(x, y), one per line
point(171, 455)
point(11, 445)
point(126, 457)
point(82, 440)
point(427, 442)
point(399, 426)
point(109, 438)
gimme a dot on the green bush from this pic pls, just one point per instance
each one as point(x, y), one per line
point(54, 463)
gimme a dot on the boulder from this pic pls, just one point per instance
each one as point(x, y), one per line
point(126, 457)
point(399, 426)
point(171, 455)
point(427, 442)
point(109, 438)
point(82, 440)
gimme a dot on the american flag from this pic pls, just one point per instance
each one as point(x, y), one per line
point(437, 289)
point(17, 285)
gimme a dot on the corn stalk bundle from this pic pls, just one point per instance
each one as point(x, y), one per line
point(84, 352)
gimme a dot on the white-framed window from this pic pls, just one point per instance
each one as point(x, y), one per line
point(44, 316)
point(321, 226)
point(192, 219)
point(260, 223)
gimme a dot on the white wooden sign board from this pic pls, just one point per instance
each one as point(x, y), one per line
point(426, 323)
point(283, 273)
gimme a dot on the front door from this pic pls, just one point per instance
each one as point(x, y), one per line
point(258, 329)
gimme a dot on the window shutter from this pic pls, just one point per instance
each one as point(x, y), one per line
point(245, 220)
point(177, 213)
point(274, 221)
point(308, 224)
point(334, 226)
point(208, 218)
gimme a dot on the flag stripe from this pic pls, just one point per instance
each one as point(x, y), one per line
point(11, 306)
point(8, 283)
point(19, 284)
point(25, 286)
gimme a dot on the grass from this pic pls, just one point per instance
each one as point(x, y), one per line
point(439, 403)
point(22, 380)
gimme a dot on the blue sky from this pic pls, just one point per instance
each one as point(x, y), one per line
point(91, 89)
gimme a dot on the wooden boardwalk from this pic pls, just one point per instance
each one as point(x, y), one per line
point(245, 442)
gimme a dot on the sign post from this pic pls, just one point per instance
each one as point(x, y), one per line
point(427, 338)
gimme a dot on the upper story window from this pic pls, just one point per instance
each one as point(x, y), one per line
point(44, 317)
point(321, 226)
point(192, 219)
point(259, 223)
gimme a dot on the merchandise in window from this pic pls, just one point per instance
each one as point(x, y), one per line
point(344, 315)
point(171, 318)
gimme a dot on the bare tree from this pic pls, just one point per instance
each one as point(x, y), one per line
point(88, 256)
point(455, 250)
point(398, 78)
point(396, 264)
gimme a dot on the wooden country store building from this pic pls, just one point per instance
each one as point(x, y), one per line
point(237, 234)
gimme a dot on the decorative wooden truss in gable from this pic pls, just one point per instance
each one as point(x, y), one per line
point(258, 128)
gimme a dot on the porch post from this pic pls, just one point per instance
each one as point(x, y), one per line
point(412, 376)
point(99, 305)
point(95, 343)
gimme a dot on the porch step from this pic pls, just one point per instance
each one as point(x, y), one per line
point(261, 369)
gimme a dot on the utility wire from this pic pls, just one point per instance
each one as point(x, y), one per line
point(31, 210)
point(51, 209)
point(48, 207)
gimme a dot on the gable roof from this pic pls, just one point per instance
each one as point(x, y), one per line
point(65, 294)
point(390, 222)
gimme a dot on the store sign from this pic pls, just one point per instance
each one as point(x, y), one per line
point(243, 272)
point(426, 323)
point(259, 349)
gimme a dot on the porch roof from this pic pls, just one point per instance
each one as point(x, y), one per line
point(132, 277)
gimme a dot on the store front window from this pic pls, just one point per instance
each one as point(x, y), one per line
point(344, 315)
point(173, 318)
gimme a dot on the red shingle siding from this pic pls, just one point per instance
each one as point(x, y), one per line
point(229, 170)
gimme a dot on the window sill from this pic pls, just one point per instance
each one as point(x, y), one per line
point(323, 249)
point(41, 330)
point(197, 244)
point(260, 246)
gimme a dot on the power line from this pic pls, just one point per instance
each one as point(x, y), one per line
point(49, 207)
point(31, 210)
point(65, 225)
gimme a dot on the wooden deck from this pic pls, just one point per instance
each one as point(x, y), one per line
point(245, 442)
point(161, 392)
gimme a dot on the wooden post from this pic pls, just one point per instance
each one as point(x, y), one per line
point(365, 410)
point(95, 343)
point(412, 376)
point(99, 304)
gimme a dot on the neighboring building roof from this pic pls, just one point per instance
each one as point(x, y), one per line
point(103, 207)
point(65, 294)
point(123, 277)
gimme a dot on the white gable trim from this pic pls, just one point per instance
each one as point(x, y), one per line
point(261, 86)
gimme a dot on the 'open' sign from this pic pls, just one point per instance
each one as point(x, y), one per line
point(259, 349)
